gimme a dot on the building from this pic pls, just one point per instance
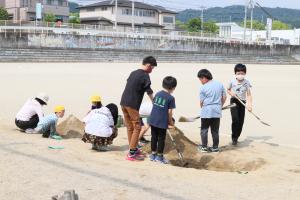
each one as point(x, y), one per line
point(234, 31)
point(25, 9)
point(226, 29)
point(147, 18)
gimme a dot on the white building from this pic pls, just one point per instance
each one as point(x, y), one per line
point(147, 18)
point(232, 30)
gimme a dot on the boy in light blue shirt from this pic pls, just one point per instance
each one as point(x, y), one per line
point(212, 98)
point(47, 125)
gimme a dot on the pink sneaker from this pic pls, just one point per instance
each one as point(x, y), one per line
point(134, 157)
point(139, 152)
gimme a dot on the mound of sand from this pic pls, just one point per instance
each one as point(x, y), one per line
point(229, 159)
point(72, 127)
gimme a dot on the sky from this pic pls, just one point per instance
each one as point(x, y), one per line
point(185, 4)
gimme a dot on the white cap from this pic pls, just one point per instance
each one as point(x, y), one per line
point(44, 97)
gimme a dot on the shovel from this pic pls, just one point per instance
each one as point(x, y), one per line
point(258, 118)
point(183, 163)
point(192, 119)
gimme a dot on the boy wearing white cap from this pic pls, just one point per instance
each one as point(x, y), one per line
point(31, 112)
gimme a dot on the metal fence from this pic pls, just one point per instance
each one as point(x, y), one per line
point(101, 30)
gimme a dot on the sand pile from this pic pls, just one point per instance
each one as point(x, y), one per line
point(229, 159)
point(72, 127)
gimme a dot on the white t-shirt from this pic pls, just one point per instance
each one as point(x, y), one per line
point(30, 108)
point(99, 122)
point(146, 108)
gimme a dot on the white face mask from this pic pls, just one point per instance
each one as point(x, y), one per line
point(240, 77)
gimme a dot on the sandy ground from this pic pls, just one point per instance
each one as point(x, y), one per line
point(29, 170)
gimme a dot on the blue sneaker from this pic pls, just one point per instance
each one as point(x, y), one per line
point(161, 159)
point(214, 149)
point(152, 157)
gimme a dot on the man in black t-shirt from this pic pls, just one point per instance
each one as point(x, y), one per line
point(137, 84)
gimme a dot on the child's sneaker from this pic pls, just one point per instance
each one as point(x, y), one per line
point(152, 157)
point(139, 152)
point(234, 142)
point(214, 149)
point(103, 148)
point(134, 157)
point(203, 149)
point(161, 159)
point(94, 147)
point(30, 131)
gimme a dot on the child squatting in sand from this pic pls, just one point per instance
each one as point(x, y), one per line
point(47, 125)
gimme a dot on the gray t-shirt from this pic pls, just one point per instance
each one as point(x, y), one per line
point(240, 89)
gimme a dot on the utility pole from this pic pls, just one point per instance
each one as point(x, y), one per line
point(252, 7)
point(116, 14)
point(132, 16)
point(245, 19)
point(202, 19)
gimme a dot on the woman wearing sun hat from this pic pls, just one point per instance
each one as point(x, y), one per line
point(31, 113)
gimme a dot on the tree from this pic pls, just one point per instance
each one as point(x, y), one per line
point(194, 25)
point(180, 25)
point(210, 27)
point(50, 17)
point(278, 25)
point(74, 18)
point(3, 14)
point(257, 25)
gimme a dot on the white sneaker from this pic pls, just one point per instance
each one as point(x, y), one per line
point(30, 131)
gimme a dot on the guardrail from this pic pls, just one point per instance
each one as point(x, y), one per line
point(101, 30)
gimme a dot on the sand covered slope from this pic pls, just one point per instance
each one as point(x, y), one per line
point(230, 158)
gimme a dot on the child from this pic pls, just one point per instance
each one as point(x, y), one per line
point(241, 88)
point(144, 112)
point(137, 84)
point(161, 119)
point(31, 113)
point(47, 126)
point(212, 98)
point(100, 127)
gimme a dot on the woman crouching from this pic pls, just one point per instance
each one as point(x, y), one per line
point(100, 127)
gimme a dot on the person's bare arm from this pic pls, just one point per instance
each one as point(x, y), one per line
point(230, 92)
point(224, 96)
point(171, 122)
point(224, 99)
point(249, 100)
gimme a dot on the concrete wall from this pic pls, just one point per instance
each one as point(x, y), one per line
point(13, 40)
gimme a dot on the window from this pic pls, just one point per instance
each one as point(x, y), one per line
point(126, 11)
point(60, 2)
point(90, 9)
point(138, 12)
point(49, 2)
point(104, 8)
point(168, 20)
